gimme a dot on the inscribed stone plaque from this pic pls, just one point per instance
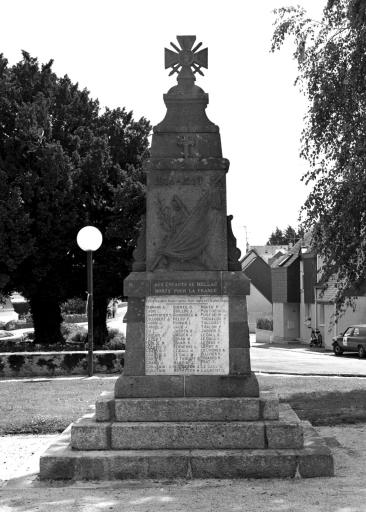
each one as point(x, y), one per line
point(187, 335)
point(185, 287)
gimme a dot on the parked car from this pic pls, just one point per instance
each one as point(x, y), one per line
point(11, 337)
point(352, 340)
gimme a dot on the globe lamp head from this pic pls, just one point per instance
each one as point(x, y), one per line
point(89, 238)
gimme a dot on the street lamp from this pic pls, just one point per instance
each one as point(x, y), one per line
point(89, 239)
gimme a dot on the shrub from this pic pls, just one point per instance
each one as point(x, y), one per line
point(81, 336)
point(68, 329)
point(55, 347)
point(116, 340)
point(74, 333)
point(28, 318)
point(74, 306)
point(26, 346)
point(265, 324)
point(76, 338)
point(11, 325)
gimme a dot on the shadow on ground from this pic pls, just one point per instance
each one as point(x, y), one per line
point(343, 493)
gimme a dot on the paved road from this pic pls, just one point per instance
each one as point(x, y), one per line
point(301, 360)
point(117, 322)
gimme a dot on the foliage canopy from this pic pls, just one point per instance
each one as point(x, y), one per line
point(331, 60)
point(64, 164)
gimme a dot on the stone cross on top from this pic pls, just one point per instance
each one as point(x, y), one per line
point(187, 61)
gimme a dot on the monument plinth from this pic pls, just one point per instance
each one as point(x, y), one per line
point(187, 403)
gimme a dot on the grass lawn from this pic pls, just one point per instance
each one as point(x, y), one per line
point(49, 406)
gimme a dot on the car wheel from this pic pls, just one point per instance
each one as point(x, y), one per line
point(337, 350)
point(361, 351)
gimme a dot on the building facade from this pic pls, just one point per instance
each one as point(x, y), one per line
point(259, 302)
point(301, 302)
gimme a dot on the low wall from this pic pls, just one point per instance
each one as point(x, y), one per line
point(40, 364)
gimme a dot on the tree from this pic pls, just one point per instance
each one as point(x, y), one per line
point(331, 59)
point(36, 170)
point(286, 237)
point(113, 193)
point(276, 237)
point(62, 165)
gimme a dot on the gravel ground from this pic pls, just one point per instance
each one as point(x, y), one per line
point(346, 492)
point(20, 490)
point(20, 455)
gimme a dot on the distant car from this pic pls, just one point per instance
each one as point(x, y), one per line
point(11, 337)
point(352, 340)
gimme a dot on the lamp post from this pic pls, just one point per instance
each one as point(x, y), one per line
point(89, 239)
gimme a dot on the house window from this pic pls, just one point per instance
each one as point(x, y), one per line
point(321, 314)
point(285, 260)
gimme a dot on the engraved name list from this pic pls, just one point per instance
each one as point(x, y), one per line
point(187, 335)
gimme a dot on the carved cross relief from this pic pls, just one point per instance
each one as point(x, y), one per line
point(186, 141)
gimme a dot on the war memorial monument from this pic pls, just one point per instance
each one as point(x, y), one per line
point(187, 404)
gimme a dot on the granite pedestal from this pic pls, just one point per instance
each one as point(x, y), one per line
point(188, 438)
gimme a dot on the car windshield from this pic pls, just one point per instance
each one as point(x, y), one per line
point(348, 331)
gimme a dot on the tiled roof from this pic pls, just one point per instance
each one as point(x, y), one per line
point(267, 252)
point(287, 259)
point(259, 273)
point(248, 259)
point(293, 253)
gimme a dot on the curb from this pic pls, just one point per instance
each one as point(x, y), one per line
point(306, 374)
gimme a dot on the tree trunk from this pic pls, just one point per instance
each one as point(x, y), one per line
point(47, 319)
point(100, 320)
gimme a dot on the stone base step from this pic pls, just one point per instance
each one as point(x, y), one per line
point(155, 386)
point(87, 434)
point(61, 462)
point(264, 407)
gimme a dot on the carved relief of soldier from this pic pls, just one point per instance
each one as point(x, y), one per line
point(187, 232)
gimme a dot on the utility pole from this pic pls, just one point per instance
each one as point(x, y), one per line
point(246, 239)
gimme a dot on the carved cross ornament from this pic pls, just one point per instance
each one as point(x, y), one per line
point(186, 141)
point(186, 61)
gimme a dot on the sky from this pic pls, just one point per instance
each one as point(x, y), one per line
point(115, 49)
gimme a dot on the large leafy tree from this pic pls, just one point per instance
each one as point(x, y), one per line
point(331, 59)
point(110, 187)
point(63, 165)
point(36, 169)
